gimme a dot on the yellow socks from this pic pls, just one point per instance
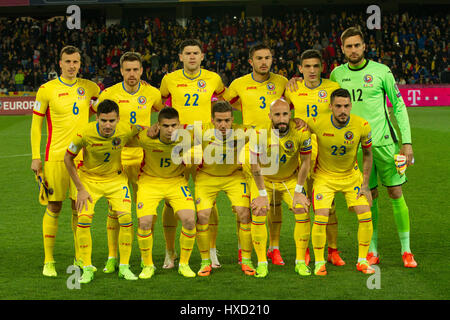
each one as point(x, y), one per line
point(259, 237)
point(170, 222)
point(112, 231)
point(213, 226)
point(245, 240)
point(274, 220)
point(301, 234)
point(49, 230)
point(125, 237)
point(203, 239)
point(332, 228)
point(365, 230)
point(187, 240)
point(84, 238)
point(145, 241)
point(318, 237)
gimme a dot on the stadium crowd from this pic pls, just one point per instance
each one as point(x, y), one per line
point(414, 47)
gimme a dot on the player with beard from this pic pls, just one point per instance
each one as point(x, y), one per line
point(252, 94)
point(136, 99)
point(369, 82)
point(339, 137)
point(275, 169)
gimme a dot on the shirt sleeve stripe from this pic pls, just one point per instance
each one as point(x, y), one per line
point(38, 113)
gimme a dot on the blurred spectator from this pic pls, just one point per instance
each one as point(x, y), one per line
point(413, 45)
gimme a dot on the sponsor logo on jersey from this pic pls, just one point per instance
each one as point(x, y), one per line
point(63, 94)
point(123, 101)
point(181, 85)
point(302, 94)
point(328, 134)
point(346, 79)
point(142, 100)
point(201, 84)
point(251, 88)
point(97, 145)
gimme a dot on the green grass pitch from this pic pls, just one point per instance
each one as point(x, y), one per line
point(21, 248)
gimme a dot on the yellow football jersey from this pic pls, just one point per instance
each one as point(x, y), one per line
point(66, 107)
point(221, 157)
point(134, 108)
point(255, 97)
point(161, 159)
point(192, 96)
point(102, 156)
point(338, 147)
point(281, 154)
point(311, 102)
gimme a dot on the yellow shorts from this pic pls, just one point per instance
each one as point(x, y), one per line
point(325, 187)
point(115, 190)
point(132, 172)
point(276, 190)
point(151, 190)
point(59, 181)
point(207, 187)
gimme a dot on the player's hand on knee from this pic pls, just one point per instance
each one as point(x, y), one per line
point(36, 166)
point(292, 83)
point(260, 205)
point(82, 200)
point(365, 191)
point(301, 199)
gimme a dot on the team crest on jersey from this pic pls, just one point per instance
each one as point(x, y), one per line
point(201, 84)
point(289, 144)
point(140, 205)
point(349, 137)
point(319, 196)
point(116, 142)
point(323, 94)
point(142, 100)
point(81, 91)
point(368, 79)
point(270, 86)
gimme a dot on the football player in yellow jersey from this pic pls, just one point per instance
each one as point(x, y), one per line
point(64, 102)
point(338, 138)
point(312, 100)
point(163, 178)
point(190, 89)
point(277, 170)
point(222, 141)
point(101, 175)
point(254, 93)
point(136, 99)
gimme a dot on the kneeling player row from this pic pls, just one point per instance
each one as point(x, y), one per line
point(160, 178)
